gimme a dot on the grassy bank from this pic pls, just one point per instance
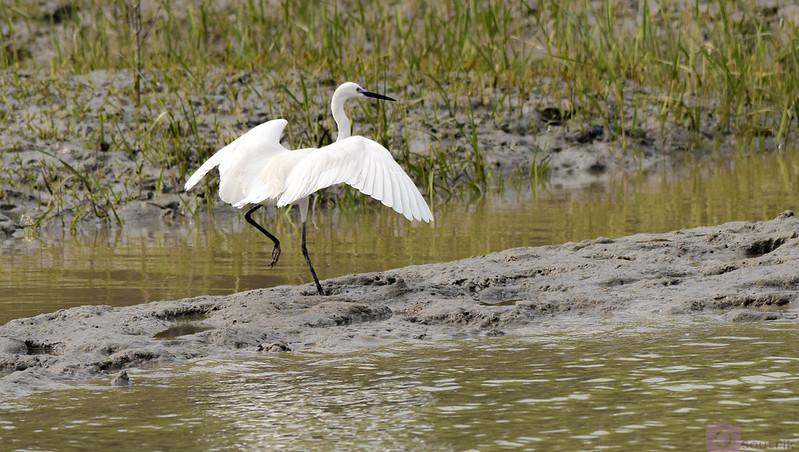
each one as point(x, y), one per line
point(165, 83)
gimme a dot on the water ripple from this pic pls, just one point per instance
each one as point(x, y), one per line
point(561, 393)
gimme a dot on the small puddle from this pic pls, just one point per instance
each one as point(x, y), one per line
point(182, 329)
point(500, 303)
point(182, 316)
point(41, 348)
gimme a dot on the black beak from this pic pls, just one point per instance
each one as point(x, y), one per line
point(376, 96)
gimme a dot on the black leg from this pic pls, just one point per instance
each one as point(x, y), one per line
point(276, 248)
point(310, 265)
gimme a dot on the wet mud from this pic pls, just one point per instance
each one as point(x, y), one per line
point(734, 272)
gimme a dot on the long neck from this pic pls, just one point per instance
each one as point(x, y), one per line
point(342, 121)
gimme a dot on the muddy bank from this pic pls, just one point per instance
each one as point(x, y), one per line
point(90, 136)
point(732, 272)
point(93, 172)
point(88, 173)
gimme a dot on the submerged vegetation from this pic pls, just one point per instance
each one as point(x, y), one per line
point(105, 102)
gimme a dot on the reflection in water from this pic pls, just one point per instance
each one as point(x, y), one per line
point(223, 255)
point(628, 392)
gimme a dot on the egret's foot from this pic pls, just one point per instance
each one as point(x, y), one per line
point(320, 290)
point(275, 255)
point(315, 292)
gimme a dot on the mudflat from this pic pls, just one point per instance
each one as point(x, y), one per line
point(733, 272)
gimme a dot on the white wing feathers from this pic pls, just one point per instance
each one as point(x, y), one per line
point(209, 164)
point(256, 168)
point(365, 165)
point(241, 159)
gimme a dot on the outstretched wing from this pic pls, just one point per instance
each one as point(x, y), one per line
point(365, 165)
point(241, 159)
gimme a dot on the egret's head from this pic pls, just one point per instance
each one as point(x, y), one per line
point(350, 90)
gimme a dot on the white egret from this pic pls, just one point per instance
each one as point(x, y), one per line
point(256, 170)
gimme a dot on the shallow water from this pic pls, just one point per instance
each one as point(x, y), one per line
point(224, 255)
point(656, 390)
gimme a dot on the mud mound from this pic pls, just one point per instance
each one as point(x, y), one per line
point(732, 272)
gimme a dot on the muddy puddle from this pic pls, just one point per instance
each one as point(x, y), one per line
point(626, 391)
point(224, 255)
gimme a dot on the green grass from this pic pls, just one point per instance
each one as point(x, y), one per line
point(718, 69)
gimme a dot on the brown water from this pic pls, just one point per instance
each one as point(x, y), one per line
point(224, 255)
point(657, 390)
point(653, 391)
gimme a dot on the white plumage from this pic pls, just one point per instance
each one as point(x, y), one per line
point(255, 170)
point(356, 161)
point(241, 159)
